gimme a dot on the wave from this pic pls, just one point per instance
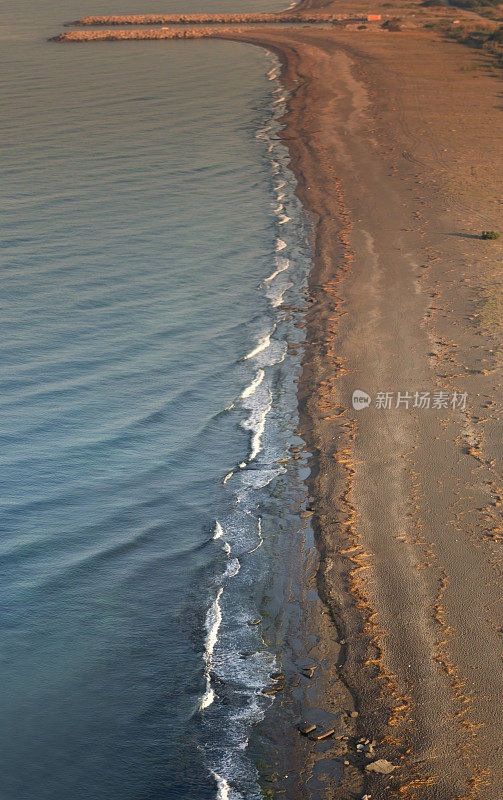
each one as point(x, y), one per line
point(214, 619)
point(283, 265)
point(276, 295)
point(259, 377)
point(263, 343)
point(256, 424)
point(242, 679)
point(212, 624)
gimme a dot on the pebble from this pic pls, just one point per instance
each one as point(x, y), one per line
point(381, 766)
point(306, 727)
point(324, 735)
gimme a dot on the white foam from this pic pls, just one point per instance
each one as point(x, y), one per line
point(259, 478)
point(208, 696)
point(276, 295)
point(233, 568)
point(283, 354)
point(213, 621)
point(212, 624)
point(226, 753)
point(256, 424)
point(283, 265)
point(259, 377)
point(260, 537)
point(223, 787)
point(263, 343)
point(218, 529)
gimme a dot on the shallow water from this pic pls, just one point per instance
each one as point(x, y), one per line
point(150, 234)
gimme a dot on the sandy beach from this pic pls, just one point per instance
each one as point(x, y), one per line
point(394, 141)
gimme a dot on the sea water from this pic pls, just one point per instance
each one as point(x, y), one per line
point(151, 247)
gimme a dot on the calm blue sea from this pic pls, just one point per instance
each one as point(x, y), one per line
point(147, 399)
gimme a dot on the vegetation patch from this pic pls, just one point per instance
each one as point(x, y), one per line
point(481, 36)
point(490, 309)
point(393, 24)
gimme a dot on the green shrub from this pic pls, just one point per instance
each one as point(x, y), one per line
point(473, 3)
point(392, 24)
point(489, 235)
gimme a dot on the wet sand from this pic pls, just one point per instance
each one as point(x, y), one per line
point(392, 139)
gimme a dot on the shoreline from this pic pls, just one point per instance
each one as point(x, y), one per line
point(392, 141)
point(408, 720)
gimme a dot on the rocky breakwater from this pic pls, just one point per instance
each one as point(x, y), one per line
point(149, 33)
point(210, 19)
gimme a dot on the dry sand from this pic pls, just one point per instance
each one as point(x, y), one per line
point(394, 140)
